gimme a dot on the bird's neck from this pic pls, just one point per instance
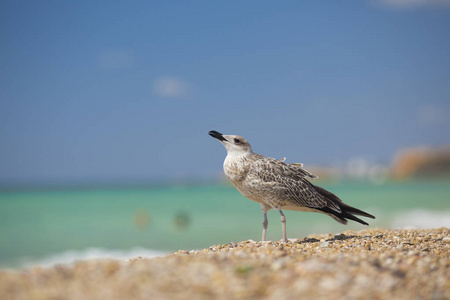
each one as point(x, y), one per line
point(238, 154)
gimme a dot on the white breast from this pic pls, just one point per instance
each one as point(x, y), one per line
point(235, 167)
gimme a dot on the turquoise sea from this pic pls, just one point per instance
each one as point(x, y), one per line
point(60, 226)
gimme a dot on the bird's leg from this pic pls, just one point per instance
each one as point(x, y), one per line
point(283, 224)
point(265, 223)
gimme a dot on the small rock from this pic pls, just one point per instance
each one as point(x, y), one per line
point(325, 244)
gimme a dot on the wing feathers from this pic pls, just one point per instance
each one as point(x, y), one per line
point(288, 182)
point(291, 182)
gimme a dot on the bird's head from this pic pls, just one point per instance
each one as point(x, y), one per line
point(235, 145)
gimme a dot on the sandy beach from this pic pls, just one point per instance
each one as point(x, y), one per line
point(368, 264)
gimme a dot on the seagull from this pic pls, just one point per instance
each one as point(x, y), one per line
point(275, 184)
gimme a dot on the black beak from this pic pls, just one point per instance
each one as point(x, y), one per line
point(217, 135)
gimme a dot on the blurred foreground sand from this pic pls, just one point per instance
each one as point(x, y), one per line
point(369, 264)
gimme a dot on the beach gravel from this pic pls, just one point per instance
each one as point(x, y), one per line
point(368, 264)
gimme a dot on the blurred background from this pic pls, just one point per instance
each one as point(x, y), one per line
point(105, 109)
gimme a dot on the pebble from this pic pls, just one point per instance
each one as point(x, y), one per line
point(325, 244)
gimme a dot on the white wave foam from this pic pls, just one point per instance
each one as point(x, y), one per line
point(71, 256)
point(421, 219)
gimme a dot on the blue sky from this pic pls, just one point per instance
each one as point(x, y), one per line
point(100, 91)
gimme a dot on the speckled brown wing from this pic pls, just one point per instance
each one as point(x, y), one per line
point(294, 170)
point(291, 182)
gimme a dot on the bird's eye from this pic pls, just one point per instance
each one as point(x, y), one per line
point(237, 141)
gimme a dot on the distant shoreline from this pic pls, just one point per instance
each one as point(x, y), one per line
point(170, 183)
point(373, 263)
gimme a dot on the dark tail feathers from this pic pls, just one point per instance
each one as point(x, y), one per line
point(347, 211)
